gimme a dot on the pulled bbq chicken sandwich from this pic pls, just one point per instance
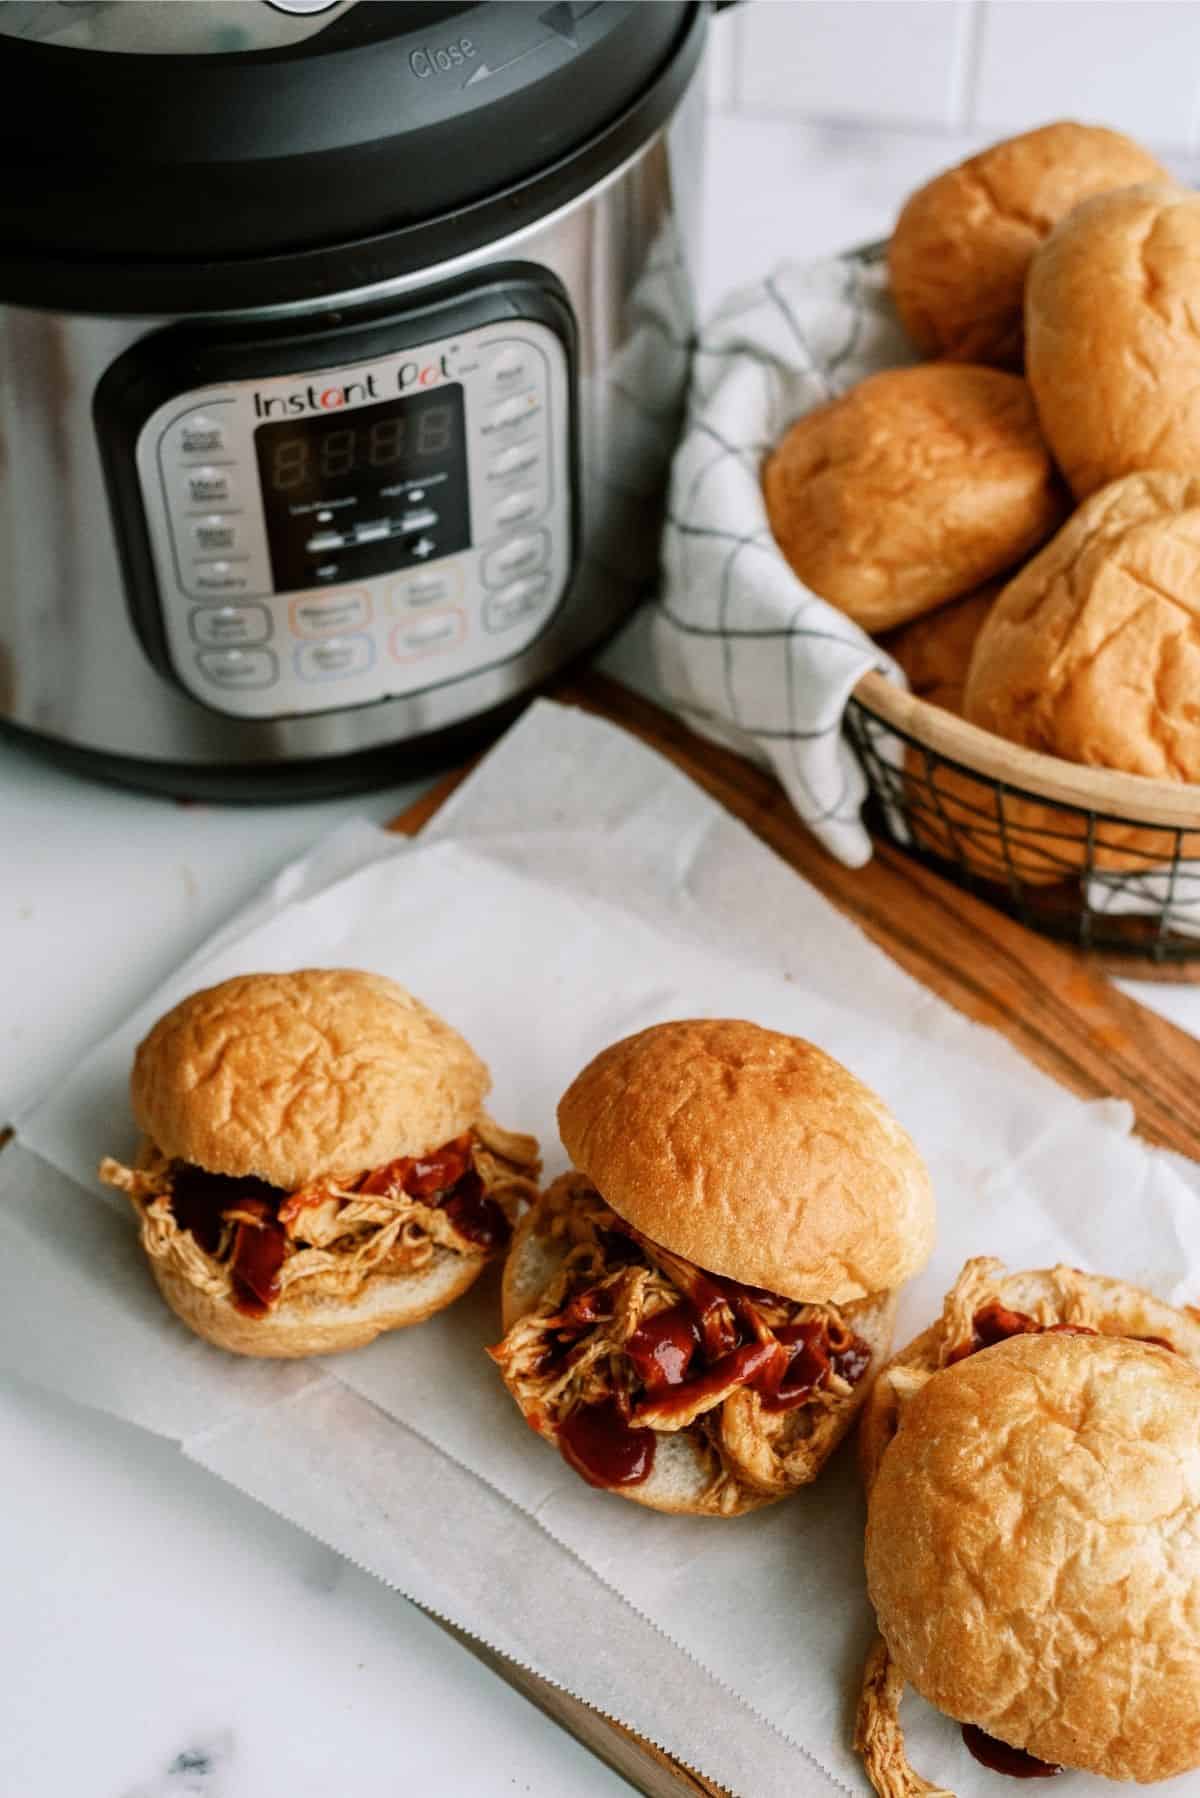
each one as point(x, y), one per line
point(693, 1315)
point(1033, 1532)
point(317, 1165)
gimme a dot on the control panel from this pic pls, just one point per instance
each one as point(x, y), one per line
point(365, 530)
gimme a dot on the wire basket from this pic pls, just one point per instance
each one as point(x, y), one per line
point(1108, 861)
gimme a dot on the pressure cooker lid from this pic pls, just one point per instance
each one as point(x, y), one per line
point(193, 132)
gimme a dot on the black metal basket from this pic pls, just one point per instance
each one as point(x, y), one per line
point(1108, 861)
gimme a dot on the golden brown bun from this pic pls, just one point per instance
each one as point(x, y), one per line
point(1033, 1551)
point(1112, 345)
point(1093, 651)
point(958, 815)
point(755, 1155)
point(914, 487)
point(681, 1478)
point(323, 1325)
point(1051, 1295)
point(289, 1076)
point(962, 245)
point(935, 650)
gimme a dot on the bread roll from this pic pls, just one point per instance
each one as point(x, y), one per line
point(913, 488)
point(285, 1076)
point(1093, 651)
point(962, 245)
point(1112, 326)
point(962, 817)
point(1033, 1551)
point(935, 650)
point(755, 1155)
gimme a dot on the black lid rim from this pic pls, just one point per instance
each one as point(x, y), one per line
point(331, 272)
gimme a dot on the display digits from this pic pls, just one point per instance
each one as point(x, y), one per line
point(337, 453)
point(289, 465)
point(433, 431)
point(385, 441)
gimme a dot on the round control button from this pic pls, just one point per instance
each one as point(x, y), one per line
point(199, 434)
point(334, 658)
point(329, 614)
point(424, 587)
point(238, 667)
point(520, 555)
point(229, 625)
point(512, 412)
point(514, 460)
point(207, 486)
point(212, 535)
point(427, 636)
point(514, 602)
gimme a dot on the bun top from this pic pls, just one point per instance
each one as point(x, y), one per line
point(1093, 651)
point(911, 489)
point(962, 245)
point(291, 1076)
point(1033, 1550)
point(1112, 345)
point(754, 1155)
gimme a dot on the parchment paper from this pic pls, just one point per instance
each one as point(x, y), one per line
point(574, 889)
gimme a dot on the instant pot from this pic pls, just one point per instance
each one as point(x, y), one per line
point(342, 351)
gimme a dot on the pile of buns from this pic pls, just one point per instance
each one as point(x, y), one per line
point(1019, 518)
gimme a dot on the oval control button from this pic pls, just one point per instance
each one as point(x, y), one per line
point(227, 625)
point(238, 667)
point(520, 555)
point(514, 460)
point(334, 658)
point(425, 636)
point(514, 602)
point(513, 411)
point(424, 587)
point(207, 486)
point(510, 367)
point(329, 614)
point(214, 534)
point(516, 508)
point(199, 434)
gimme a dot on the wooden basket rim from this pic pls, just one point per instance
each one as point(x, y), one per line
point(1134, 798)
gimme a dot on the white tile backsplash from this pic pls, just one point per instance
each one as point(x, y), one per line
point(1132, 64)
point(986, 66)
point(895, 61)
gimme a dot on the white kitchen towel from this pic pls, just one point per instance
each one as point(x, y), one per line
point(747, 652)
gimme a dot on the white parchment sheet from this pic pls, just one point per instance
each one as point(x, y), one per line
point(577, 888)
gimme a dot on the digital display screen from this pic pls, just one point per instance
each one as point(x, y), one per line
point(357, 493)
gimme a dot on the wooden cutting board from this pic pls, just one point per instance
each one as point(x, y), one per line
point(1057, 1005)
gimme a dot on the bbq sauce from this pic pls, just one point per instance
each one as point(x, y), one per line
point(258, 1254)
point(1003, 1759)
point(806, 1366)
point(662, 1347)
point(474, 1215)
point(200, 1199)
point(603, 1448)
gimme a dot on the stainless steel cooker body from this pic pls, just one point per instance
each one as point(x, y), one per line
point(72, 666)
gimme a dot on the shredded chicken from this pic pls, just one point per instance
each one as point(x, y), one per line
point(569, 1350)
point(878, 1735)
point(337, 1235)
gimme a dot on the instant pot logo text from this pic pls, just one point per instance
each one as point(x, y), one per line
point(349, 393)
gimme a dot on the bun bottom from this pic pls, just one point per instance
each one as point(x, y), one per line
point(680, 1482)
point(319, 1326)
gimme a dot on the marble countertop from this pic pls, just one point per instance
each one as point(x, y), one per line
point(164, 1637)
